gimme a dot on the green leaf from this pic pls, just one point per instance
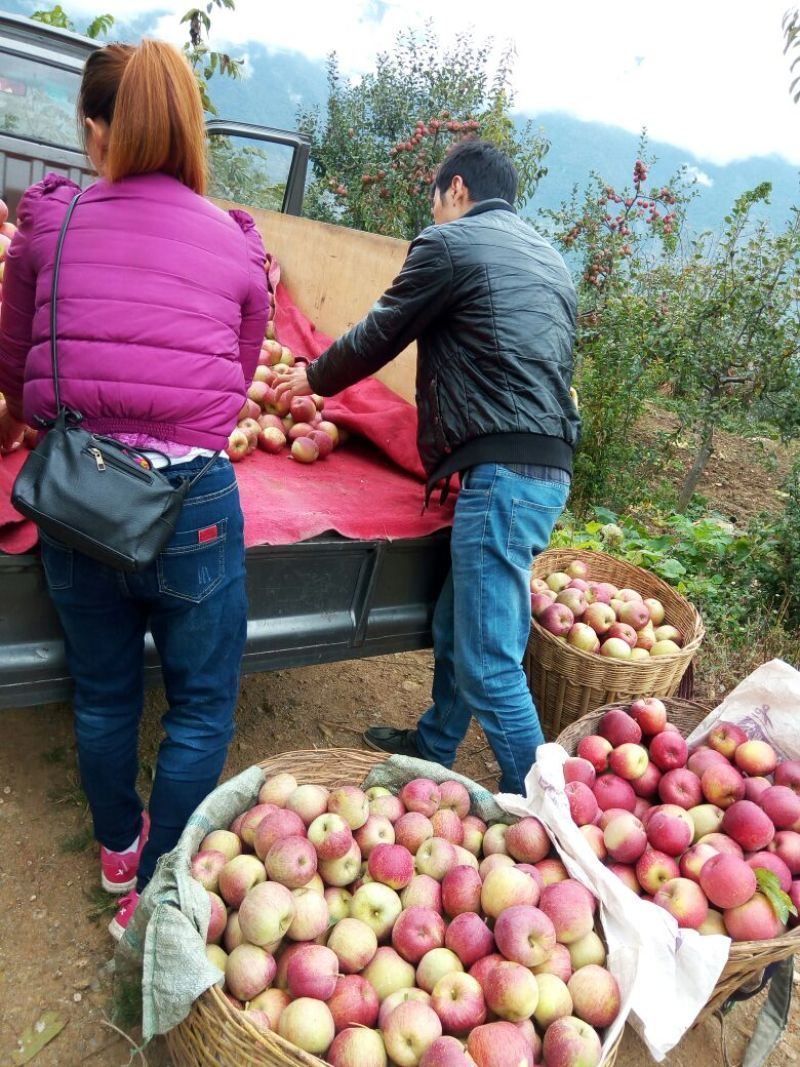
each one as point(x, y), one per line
point(769, 885)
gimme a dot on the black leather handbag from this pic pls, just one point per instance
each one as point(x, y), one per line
point(92, 493)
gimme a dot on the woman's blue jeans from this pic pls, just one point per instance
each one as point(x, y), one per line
point(503, 519)
point(193, 599)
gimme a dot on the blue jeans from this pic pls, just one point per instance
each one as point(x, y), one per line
point(193, 599)
point(482, 619)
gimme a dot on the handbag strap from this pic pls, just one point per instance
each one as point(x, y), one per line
point(54, 302)
point(53, 326)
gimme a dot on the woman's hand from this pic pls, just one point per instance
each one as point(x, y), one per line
point(11, 433)
point(294, 381)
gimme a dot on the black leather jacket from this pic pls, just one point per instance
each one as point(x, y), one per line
point(492, 307)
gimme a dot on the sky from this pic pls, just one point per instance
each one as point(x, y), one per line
point(709, 76)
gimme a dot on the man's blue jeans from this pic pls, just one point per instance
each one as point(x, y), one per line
point(482, 620)
point(193, 598)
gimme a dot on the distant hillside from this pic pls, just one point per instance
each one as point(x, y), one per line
point(279, 83)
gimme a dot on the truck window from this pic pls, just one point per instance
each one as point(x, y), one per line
point(249, 172)
point(38, 101)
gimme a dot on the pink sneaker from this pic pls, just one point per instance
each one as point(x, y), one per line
point(118, 870)
point(125, 909)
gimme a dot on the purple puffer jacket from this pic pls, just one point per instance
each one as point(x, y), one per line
point(162, 304)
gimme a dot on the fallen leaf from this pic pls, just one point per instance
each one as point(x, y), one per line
point(34, 1039)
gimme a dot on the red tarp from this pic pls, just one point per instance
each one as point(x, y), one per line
point(370, 489)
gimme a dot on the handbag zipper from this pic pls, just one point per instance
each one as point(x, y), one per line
point(103, 461)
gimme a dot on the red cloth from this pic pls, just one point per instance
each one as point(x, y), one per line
point(369, 489)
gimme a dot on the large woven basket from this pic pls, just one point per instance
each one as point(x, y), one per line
point(215, 1034)
point(567, 683)
point(747, 959)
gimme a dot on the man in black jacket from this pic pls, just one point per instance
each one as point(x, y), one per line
point(492, 308)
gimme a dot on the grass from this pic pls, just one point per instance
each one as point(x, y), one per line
point(101, 904)
point(79, 841)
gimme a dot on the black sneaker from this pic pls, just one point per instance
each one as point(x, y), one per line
point(387, 739)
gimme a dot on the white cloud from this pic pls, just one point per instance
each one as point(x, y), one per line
point(698, 175)
point(706, 75)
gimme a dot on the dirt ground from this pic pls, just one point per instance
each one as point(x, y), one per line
point(54, 947)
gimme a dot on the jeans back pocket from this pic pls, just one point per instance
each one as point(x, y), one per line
point(57, 561)
point(192, 566)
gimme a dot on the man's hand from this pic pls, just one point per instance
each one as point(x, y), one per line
point(294, 381)
point(11, 433)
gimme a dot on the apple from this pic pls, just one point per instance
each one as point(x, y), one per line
point(233, 933)
point(558, 580)
point(694, 858)
point(308, 801)
point(308, 1023)
point(594, 837)
point(650, 713)
point(681, 787)
point(645, 638)
point(497, 859)
point(782, 805)
point(224, 841)
point(238, 877)
point(570, 908)
point(271, 1002)
point(646, 785)
point(378, 906)
point(292, 862)
point(526, 840)
point(474, 829)
point(595, 995)
point(465, 858)
point(754, 788)
point(447, 824)
point(628, 761)
point(541, 601)
point(274, 827)
point(722, 785)
point(619, 728)
point(706, 818)
point(416, 931)
point(576, 568)
point(665, 647)
point(668, 750)
point(721, 843)
point(653, 868)
point(459, 1002)
point(434, 965)
point(616, 647)
point(753, 921)
point(412, 829)
point(704, 757)
point(727, 881)
point(583, 806)
point(499, 1044)
point(446, 1051)
point(714, 924)
point(634, 613)
point(421, 795)
point(248, 971)
point(455, 797)
point(387, 972)
point(469, 937)
point(481, 967)
point(668, 831)
point(595, 749)
point(338, 901)
point(526, 934)
point(331, 836)
point(748, 825)
point(218, 919)
point(625, 838)
point(461, 890)
point(577, 769)
point(725, 738)
point(551, 870)
point(353, 1002)
point(600, 617)
point(423, 890)
point(557, 619)
point(627, 875)
point(554, 1001)
point(238, 445)
point(386, 806)
point(504, 887)
point(684, 900)
point(313, 972)
point(755, 758)
point(586, 950)
point(266, 913)
point(400, 996)
point(787, 773)
point(435, 857)
point(343, 871)
point(356, 1046)
point(351, 804)
point(611, 791)
point(786, 844)
point(310, 915)
point(583, 637)
point(575, 600)
point(251, 819)
point(410, 1029)
point(511, 991)
point(391, 864)
point(206, 865)
point(354, 944)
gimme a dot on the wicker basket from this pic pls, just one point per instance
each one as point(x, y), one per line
point(747, 959)
point(215, 1034)
point(567, 683)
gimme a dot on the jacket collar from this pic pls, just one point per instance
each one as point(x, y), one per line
point(495, 204)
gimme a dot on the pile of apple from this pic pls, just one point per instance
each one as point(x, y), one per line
point(268, 421)
point(599, 617)
point(368, 927)
point(712, 834)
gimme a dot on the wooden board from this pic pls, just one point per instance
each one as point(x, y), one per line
point(334, 275)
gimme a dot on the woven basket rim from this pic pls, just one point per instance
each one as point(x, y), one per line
point(739, 950)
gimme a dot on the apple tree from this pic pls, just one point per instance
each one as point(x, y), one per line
point(378, 141)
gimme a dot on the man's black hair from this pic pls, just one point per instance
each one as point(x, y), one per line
point(486, 171)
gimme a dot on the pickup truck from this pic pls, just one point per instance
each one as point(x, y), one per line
point(353, 598)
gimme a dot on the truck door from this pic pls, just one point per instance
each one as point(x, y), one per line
point(257, 166)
